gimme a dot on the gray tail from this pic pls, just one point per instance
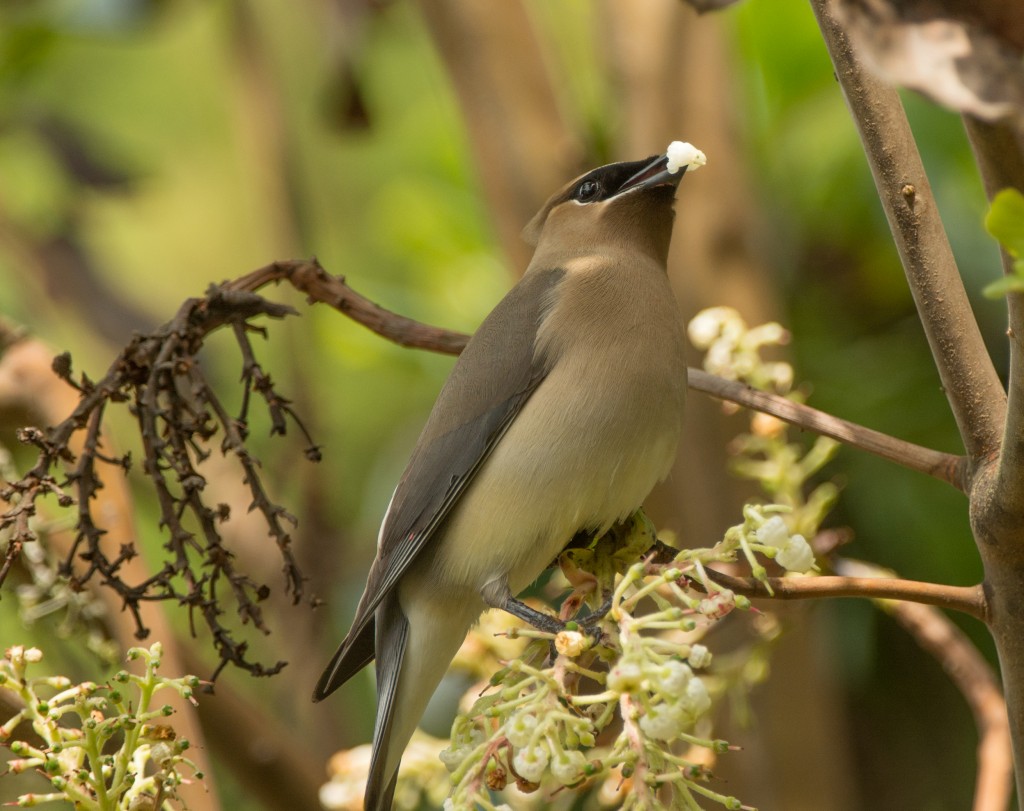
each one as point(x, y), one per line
point(355, 653)
point(392, 639)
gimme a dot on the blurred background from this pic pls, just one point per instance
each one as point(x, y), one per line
point(151, 147)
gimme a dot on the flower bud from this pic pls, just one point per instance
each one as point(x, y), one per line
point(671, 678)
point(773, 532)
point(570, 643)
point(700, 656)
point(625, 677)
point(663, 722)
point(568, 766)
point(531, 762)
point(796, 555)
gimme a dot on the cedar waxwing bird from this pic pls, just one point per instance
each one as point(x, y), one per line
point(562, 413)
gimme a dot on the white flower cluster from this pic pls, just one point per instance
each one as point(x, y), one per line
point(672, 698)
point(765, 532)
point(793, 552)
point(466, 738)
point(543, 737)
point(733, 350)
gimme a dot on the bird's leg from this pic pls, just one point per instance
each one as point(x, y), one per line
point(590, 622)
point(497, 595)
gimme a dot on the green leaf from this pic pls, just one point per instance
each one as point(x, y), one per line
point(1007, 284)
point(1005, 221)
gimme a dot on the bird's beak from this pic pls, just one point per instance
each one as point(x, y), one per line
point(655, 173)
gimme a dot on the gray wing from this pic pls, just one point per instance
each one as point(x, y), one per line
point(496, 374)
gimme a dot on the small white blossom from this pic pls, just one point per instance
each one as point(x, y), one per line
point(796, 555)
point(519, 729)
point(663, 722)
point(697, 699)
point(770, 333)
point(704, 328)
point(699, 656)
point(719, 360)
point(531, 762)
point(625, 677)
point(567, 766)
point(453, 756)
point(782, 376)
point(33, 655)
point(773, 532)
point(671, 678)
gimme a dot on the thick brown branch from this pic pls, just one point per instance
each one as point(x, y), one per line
point(971, 385)
point(968, 599)
point(943, 466)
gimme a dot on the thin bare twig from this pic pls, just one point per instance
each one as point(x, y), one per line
point(968, 599)
point(971, 385)
point(308, 276)
point(945, 467)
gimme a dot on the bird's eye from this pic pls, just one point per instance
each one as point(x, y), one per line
point(588, 190)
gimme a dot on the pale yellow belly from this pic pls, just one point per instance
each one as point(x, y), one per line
point(558, 470)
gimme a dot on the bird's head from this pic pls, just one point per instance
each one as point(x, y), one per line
point(626, 204)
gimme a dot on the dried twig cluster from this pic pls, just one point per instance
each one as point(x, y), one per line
point(161, 380)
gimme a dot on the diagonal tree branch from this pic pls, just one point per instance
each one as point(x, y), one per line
point(971, 385)
point(945, 467)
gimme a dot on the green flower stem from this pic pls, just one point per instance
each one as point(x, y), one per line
point(95, 779)
point(722, 799)
point(756, 569)
point(590, 674)
point(506, 706)
point(709, 584)
point(539, 675)
point(470, 762)
point(633, 573)
point(708, 743)
point(597, 698)
point(667, 577)
point(690, 602)
point(80, 799)
point(671, 615)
